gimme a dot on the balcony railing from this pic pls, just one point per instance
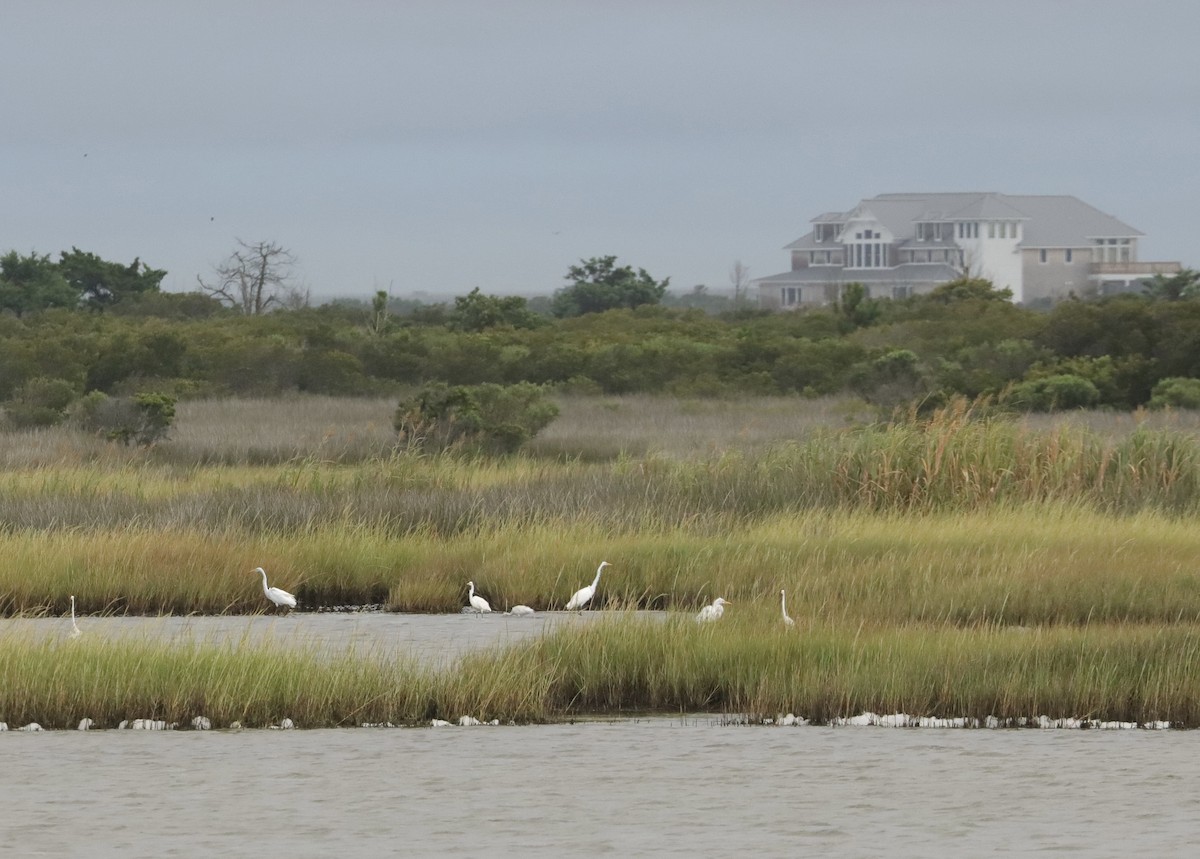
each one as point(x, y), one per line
point(1147, 269)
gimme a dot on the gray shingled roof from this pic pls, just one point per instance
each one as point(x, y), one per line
point(1066, 222)
point(1049, 220)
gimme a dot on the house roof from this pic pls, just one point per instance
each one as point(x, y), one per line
point(1049, 220)
point(1064, 222)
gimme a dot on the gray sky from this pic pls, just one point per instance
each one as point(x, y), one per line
point(439, 146)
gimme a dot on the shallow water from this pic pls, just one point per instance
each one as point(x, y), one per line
point(647, 788)
point(431, 638)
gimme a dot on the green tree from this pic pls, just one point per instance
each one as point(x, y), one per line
point(32, 283)
point(1054, 393)
point(143, 418)
point(598, 284)
point(379, 319)
point(41, 402)
point(1182, 285)
point(891, 379)
point(101, 283)
point(967, 288)
point(1176, 393)
point(478, 312)
point(490, 418)
point(854, 305)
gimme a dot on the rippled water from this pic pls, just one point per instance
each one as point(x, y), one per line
point(648, 788)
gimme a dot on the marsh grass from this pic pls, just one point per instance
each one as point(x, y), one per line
point(1024, 565)
point(745, 664)
point(953, 461)
point(950, 565)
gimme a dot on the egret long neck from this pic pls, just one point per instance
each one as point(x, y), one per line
point(596, 581)
point(264, 575)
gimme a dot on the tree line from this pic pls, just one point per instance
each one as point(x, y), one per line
point(82, 326)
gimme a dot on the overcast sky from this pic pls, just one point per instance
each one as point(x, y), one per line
point(439, 146)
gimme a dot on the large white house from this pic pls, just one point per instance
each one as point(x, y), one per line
point(1042, 247)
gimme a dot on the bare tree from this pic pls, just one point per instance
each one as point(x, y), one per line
point(739, 276)
point(255, 278)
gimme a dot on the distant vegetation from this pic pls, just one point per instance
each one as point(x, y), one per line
point(83, 325)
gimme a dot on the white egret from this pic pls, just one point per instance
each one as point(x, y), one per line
point(280, 597)
point(714, 611)
point(75, 630)
point(787, 621)
point(520, 610)
point(477, 602)
point(584, 595)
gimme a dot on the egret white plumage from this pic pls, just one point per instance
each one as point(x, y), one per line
point(783, 607)
point(584, 595)
point(280, 597)
point(477, 602)
point(714, 611)
point(75, 630)
point(520, 610)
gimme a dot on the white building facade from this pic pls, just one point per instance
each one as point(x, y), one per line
point(1043, 248)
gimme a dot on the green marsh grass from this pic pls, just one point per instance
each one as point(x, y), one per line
point(1027, 565)
point(955, 565)
point(745, 664)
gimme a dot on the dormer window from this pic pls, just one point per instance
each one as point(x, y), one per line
point(825, 233)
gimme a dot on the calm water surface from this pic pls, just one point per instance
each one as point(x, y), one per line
point(649, 788)
point(429, 637)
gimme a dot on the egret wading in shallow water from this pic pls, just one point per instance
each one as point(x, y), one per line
point(584, 595)
point(714, 611)
point(477, 602)
point(75, 630)
point(280, 597)
point(787, 621)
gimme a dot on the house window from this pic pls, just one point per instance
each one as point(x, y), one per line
point(1042, 255)
point(791, 296)
point(867, 255)
point(991, 229)
point(1067, 255)
point(1112, 250)
point(825, 232)
point(901, 291)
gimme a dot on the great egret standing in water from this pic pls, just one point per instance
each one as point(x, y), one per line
point(783, 606)
point(75, 630)
point(582, 596)
point(714, 611)
point(477, 602)
point(280, 597)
